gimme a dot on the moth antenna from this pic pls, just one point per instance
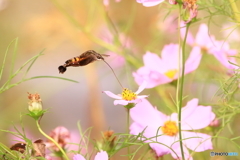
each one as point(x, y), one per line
point(113, 73)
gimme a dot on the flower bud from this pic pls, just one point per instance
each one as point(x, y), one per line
point(215, 123)
point(35, 104)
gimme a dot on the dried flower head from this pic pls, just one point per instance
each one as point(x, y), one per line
point(109, 138)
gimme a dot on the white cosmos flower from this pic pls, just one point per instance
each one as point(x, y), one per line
point(127, 96)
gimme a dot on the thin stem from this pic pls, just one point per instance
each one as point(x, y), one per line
point(48, 137)
point(128, 130)
point(114, 73)
point(179, 96)
point(235, 12)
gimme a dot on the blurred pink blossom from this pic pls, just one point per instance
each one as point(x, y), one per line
point(102, 155)
point(163, 70)
point(128, 96)
point(61, 135)
point(150, 3)
point(115, 60)
point(219, 49)
point(224, 54)
point(152, 123)
point(215, 123)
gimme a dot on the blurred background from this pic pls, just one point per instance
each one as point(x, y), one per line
point(64, 29)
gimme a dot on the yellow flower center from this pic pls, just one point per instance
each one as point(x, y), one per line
point(170, 128)
point(128, 95)
point(171, 73)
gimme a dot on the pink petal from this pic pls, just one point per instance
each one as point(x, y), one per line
point(170, 56)
point(164, 145)
point(193, 60)
point(152, 61)
point(148, 132)
point(153, 78)
point(196, 117)
point(149, 3)
point(146, 115)
point(112, 95)
point(102, 155)
point(121, 102)
point(142, 87)
point(142, 96)
point(202, 143)
point(78, 157)
point(203, 39)
point(223, 54)
point(177, 150)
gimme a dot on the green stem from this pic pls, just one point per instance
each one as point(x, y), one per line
point(128, 130)
point(235, 12)
point(181, 92)
point(48, 137)
point(181, 81)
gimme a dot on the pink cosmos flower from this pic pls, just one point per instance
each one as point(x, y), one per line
point(224, 54)
point(163, 70)
point(128, 96)
point(150, 3)
point(208, 44)
point(61, 135)
point(102, 155)
point(152, 123)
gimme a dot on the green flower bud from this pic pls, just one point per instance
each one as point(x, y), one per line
point(35, 106)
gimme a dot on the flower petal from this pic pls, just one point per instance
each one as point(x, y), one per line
point(78, 157)
point(153, 78)
point(170, 56)
point(112, 95)
point(223, 54)
point(196, 117)
point(102, 155)
point(193, 60)
point(142, 87)
point(146, 115)
point(177, 150)
point(121, 102)
point(202, 143)
point(142, 96)
point(152, 61)
point(203, 39)
point(150, 3)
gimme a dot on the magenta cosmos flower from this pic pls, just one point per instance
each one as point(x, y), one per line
point(102, 155)
point(208, 44)
point(127, 96)
point(153, 123)
point(163, 70)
